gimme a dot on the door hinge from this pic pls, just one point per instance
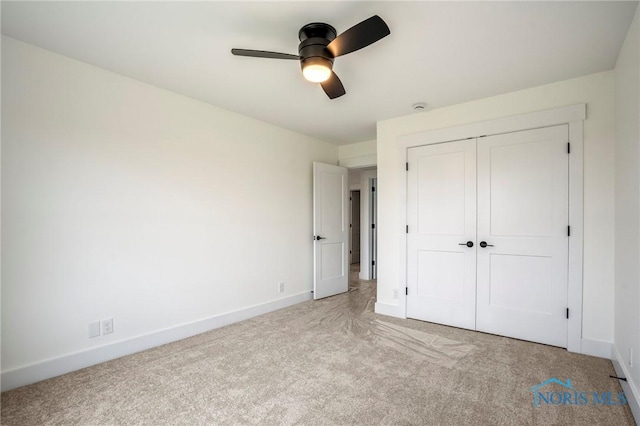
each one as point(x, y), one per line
point(373, 226)
point(407, 229)
point(373, 189)
point(349, 251)
point(407, 166)
point(373, 263)
point(568, 231)
point(406, 291)
point(350, 199)
point(350, 226)
point(568, 147)
point(567, 313)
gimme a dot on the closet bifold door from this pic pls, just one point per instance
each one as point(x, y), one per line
point(522, 235)
point(441, 233)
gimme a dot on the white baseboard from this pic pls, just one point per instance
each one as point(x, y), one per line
point(75, 361)
point(629, 387)
point(389, 310)
point(597, 348)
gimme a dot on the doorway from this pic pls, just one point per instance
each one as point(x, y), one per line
point(354, 228)
point(362, 186)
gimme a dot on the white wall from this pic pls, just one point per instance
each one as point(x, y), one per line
point(361, 154)
point(597, 91)
point(627, 209)
point(354, 179)
point(121, 200)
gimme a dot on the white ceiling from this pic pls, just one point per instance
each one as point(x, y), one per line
point(441, 53)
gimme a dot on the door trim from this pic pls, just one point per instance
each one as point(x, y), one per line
point(373, 235)
point(573, 116)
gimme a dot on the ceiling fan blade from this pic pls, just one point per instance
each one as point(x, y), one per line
point(361, 35)
point(263, 54)
point(333, 86)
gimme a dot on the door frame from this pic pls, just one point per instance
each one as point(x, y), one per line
point(573, 116)
point(351, 216)
point(373, 230)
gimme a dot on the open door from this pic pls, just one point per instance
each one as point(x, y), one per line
point(330, 230)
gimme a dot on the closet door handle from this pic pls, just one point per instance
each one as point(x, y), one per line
point(318, 238)
point(484, 244)
point(468, 244)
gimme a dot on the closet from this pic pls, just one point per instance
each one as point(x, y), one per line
point(488, 234)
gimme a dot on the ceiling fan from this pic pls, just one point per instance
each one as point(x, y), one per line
point(320, 45)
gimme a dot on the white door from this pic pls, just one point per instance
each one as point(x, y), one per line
point(523, 218)
point(330, 230)
point(441, 216)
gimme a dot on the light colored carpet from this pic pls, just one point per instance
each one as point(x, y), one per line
point(323, 362)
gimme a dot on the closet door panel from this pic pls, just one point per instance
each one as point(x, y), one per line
point(523, 218)
point(441, 208)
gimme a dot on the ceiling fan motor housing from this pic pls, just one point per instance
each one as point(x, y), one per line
point(314, 39)
point(320, 44)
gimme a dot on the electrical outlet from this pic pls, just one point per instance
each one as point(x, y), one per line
point(395, 293)
point(94, 329)
point(107, 326)
point(281, 287)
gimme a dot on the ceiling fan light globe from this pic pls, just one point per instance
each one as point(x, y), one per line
point(316, 73)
